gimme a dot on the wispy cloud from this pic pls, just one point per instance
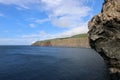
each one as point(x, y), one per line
point(36, 22)
point(2, 15)
point(40, 21)
point(61, 13)
point(42, 35)
point(66, 13)
point(21, 3)
point(32, 25)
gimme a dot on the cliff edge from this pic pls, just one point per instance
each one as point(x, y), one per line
point(104, 35)
point(80, 40)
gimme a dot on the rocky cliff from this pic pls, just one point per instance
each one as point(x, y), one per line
point(104, 35)
point(74, 41)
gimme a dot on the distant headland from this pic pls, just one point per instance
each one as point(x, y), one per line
point(80, 40)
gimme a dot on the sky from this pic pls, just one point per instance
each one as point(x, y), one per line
point(23, 22)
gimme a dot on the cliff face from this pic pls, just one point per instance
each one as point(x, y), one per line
point(68, 42)
point(104, 35)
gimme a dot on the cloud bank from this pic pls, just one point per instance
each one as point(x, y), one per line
point(66, 13)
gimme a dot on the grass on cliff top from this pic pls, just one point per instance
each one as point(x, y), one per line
point(79, 36)
point(75, 36)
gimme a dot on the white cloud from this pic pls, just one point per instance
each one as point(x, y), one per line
point(66, 13)
point(32, 25)
point(61, 13)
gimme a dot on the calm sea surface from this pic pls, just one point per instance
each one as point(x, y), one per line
point(50, 63)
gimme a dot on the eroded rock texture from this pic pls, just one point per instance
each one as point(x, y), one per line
point(104, 35)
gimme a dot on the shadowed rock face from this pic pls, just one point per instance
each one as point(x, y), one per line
point(104, 35)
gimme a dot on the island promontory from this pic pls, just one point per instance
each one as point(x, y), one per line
point(80, 40)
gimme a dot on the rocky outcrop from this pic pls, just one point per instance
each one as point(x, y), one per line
point(104, 35)
point(67, 42)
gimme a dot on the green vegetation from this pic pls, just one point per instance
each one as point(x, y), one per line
point(79, 36)
point(75, 36)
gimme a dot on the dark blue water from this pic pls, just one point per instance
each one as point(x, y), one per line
point(50, 63)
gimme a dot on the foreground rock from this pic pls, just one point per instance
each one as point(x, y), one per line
point(104, 35)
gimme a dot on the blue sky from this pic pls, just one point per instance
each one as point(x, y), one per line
point(25, 21)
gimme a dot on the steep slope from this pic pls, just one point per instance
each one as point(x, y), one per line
point(104, 35)
point(80, 40)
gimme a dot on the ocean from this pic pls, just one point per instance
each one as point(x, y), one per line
point(51, 63)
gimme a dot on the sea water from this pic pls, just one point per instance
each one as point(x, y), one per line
point(51, 63)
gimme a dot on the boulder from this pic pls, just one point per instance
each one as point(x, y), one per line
point(104, 35)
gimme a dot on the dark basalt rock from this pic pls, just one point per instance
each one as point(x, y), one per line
point(104, 35)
